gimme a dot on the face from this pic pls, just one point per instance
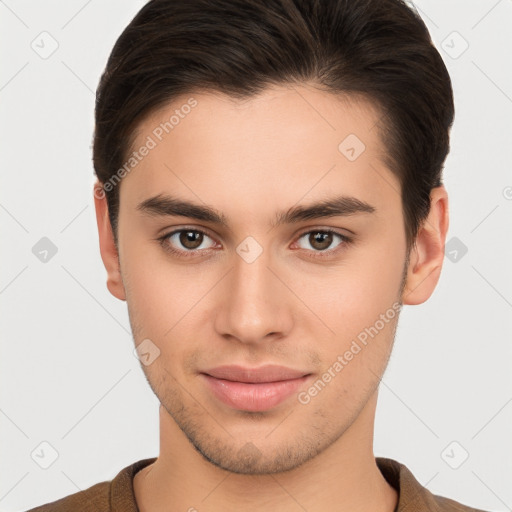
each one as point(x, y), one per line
point(253, 277)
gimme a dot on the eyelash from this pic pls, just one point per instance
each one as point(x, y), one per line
point(345, 240)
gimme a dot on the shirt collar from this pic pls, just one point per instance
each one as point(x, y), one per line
point(412, 496)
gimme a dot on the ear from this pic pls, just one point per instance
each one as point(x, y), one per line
point(427, 254)
point(108, 249)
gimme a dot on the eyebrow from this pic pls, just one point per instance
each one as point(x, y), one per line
point(166, 205)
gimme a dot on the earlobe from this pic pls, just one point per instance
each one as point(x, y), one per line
point(427, 254)
point(108, 249)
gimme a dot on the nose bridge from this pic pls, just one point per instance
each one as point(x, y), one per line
point(254, 305)
point(251, 277)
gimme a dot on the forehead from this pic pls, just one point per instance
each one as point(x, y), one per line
point(283, 144)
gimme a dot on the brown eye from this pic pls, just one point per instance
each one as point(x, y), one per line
point(320, 242)
point(186, 241)
point(190, 239)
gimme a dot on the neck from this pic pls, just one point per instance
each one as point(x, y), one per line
point(344, 477)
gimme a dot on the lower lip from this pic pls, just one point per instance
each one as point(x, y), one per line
point(253, 397)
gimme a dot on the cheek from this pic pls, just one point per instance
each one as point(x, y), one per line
point(358, 352)
point(164, 299)
point(150, 295)
point(358, 301)
point(374, 280)
point(354, 295)
point(371, 291)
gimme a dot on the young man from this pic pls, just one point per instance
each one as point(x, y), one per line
point(269, 195)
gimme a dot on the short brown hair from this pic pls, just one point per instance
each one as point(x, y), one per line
point(380, 49)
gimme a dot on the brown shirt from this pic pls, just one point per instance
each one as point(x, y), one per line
point(117, 495)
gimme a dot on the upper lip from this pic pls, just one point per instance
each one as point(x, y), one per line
point(267, 373)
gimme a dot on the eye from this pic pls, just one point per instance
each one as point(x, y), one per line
point(185, 240)
point(189, 242)
point(321, 240)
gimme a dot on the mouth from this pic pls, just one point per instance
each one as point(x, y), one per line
point(253, 389)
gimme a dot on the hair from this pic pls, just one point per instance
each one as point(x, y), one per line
point(380, 50)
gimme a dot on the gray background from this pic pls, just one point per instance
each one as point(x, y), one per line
point(68, 373)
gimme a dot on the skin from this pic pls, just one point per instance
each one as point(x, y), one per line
point(250, 159)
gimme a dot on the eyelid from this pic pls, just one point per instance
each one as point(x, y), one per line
point(315, 229)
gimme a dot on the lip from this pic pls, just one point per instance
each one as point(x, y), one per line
point(266, 373)
point(253, 389)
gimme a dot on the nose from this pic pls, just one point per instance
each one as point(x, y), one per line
point(255, 305)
